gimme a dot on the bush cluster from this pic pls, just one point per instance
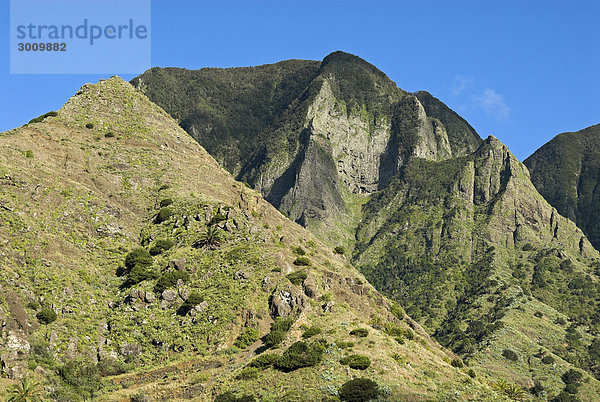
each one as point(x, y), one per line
point(510, 355)
point(246, 338)
point(358, 362)
point(264, 361)
point(301, 354)
point(311, 331)
point(160, 246)
point(360, 332)
point(46, 316)
point(297, 277)
point(138, 264)
point(163, 215)
point(279, 330)
point(302, 261)
point(359, 390)
point(169, 279)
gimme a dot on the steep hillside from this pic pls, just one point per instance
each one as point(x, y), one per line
point(133, 266)
point(488, 266)
point(334, 135)
point(566, 171)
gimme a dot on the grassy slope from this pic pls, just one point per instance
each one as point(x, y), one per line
point(81, 189)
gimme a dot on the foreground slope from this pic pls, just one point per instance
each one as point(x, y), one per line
point(134, 266)
point(566, 171)
point(478, 256)
point(315, 138)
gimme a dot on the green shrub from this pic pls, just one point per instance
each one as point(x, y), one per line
point(140, 273)
point(46, 316)
point(547, 359)
point(283, 324)
point(160, 246)
point(456, 363)
point(41, 118)
point(510, 355)
point(312, 331)
point(29, 153)
point(344, 345)
point(194, 299)
point(339, 250)
point(165, 202)
point(358, 362)
point(110, 134)
point(279, 329)
point(139, 256)
point(246, 338)
point(297, 277)
point(248, 373)
point(274, 338)
point(231, 397)
point(538, 314)
point(527, 247)
point(301, 354)
point(163, 215)
point(471, 373)
point(298, 250)
point(169, 279)
point(89, 125)
point(360, 332)
point(265, 360)
point(397, 311)
point(572, 377)
point(572, 389)
point(359, 390)
point(302, 261)
point(565, 397)
point(33, 305)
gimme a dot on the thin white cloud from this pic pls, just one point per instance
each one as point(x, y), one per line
point(492, 103)
point(459, 84)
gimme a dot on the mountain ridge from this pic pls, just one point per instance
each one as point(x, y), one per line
point(155, 272)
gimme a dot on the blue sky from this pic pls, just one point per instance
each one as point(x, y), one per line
point(523, 71)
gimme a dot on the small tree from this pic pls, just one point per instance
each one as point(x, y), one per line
point(139, 256)
point(160, 246)
point(359, 390)
point(357, 362)
point(163, 215)
point(46, 316)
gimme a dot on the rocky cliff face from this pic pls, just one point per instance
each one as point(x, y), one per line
point(343, 134)
point(566, 172)
point(469, 246)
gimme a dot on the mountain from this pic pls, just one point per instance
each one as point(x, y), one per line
point(135, 268)
point(446, 224)
point(566, 171)
point(314, 138)
point(493, 271)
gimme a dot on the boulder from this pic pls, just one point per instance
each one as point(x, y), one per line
point(285, 300)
